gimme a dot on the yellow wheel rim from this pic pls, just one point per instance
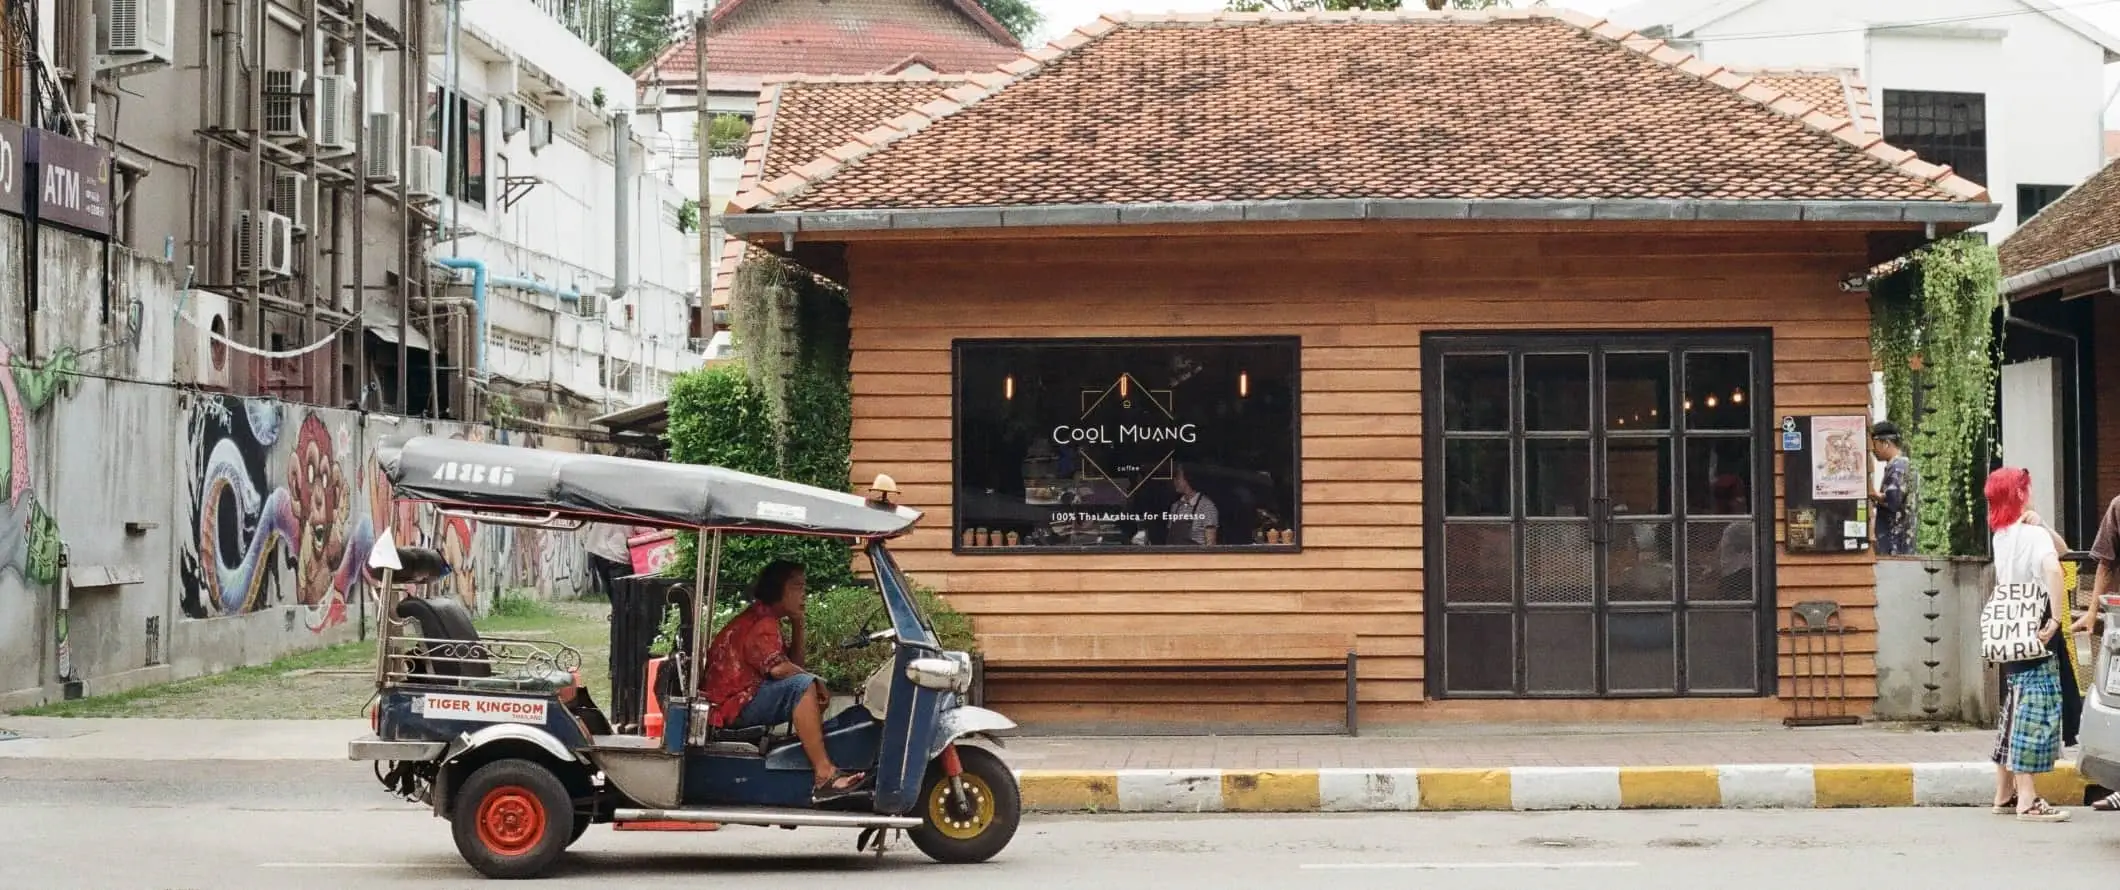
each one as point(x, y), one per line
point(945, 819)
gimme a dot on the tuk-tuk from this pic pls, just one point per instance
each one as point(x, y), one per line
point(499, 737)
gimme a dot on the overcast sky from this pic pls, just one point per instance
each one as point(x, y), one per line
point(1062, 16)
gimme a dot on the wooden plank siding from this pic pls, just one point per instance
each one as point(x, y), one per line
point(1360, 302)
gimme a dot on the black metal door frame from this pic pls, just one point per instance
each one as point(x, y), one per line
point(1756, 342)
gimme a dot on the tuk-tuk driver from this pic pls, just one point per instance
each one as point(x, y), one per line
point(753, 678)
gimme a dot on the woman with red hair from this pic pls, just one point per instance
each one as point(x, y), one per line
point(2029, 740)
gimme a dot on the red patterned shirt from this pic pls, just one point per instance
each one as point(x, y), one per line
point(740, 659)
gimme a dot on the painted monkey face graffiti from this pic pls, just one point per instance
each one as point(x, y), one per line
point(322, 509)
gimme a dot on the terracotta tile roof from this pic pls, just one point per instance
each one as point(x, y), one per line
point(1216, 107)
point(748, 39)
point(1837, 91)
point(2085, 219)
point(800, 118)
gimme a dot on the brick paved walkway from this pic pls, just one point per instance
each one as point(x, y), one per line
point(1491, 747)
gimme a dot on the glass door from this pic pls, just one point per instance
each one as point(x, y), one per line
point(1591, 524)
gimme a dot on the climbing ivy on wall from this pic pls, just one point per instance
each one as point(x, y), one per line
point(1933, 326)
point(783, 411)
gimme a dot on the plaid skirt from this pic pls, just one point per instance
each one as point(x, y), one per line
point(2029, 740)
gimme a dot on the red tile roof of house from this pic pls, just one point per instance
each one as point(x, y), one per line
point(800, 118)
point(2084, 220)
point(1836, 91)
point(750, 39)
point(1222, 107)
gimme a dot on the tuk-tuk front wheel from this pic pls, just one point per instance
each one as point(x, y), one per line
point(513, 818)
point(978, 827)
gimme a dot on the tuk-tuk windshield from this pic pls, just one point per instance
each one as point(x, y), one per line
point(907, 617)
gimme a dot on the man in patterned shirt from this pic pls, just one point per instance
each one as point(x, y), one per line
point(1895, 497)
point(752, 677)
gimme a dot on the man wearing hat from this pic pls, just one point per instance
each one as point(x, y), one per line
point(1895, 497)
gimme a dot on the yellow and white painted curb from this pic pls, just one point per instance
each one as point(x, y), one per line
point(1743, 786)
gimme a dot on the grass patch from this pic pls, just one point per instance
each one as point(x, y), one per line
point(336, 682)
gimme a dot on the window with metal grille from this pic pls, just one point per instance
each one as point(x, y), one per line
point(2033, 198)
point(1942, 128)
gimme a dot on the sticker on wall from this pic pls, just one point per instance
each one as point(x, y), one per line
point(483, 709)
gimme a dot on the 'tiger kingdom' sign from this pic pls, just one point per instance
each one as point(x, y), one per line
point(2010, 623)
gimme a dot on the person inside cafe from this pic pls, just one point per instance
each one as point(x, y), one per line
point(1193, 517)
point(753, 676)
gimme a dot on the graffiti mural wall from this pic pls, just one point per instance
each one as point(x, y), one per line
point(285, 501)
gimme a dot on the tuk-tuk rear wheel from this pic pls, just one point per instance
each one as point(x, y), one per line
point(949, 833)
point(513, 818)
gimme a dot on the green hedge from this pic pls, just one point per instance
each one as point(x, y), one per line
point(837, 615)
point(718, 417)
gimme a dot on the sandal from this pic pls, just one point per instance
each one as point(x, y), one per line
point(2006, 807)
point(839, 784)
point(2041, 811)
point(2107, 803)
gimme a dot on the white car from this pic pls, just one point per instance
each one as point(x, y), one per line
point(2099, 739)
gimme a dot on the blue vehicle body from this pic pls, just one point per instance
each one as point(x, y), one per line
point(499, 736)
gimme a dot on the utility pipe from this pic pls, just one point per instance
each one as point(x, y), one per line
point(481, 281)
point(622, 202)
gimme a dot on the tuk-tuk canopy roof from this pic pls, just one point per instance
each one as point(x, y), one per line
point(597, 488)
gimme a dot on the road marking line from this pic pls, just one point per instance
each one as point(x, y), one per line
point(333, 865)
point(1464, 865)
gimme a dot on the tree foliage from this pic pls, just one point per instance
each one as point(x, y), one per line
point(1018, 16)
point(627, 32)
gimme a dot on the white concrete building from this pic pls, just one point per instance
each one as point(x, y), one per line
point(2010, 93)
point(591, 282)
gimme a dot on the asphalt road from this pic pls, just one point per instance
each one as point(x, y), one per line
point(99, 825)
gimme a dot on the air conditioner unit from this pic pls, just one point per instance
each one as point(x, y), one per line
point(590, 305)
point(337, 122)
point(386, 141)
point(202, 360)
point(264, 244)
point(133, 29)
point(285, 90)
point(540, 133)
point(290, 197)
point(429, 175)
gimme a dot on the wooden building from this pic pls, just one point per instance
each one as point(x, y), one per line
point(1474, 329)
point(2060, 401)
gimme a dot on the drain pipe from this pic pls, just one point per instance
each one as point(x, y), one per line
point(622, 194)
point(478, 300)
point(481, 281)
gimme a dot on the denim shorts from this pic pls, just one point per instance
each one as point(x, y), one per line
point(775, 702)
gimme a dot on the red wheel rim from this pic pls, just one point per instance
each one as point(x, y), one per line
point(511, 820)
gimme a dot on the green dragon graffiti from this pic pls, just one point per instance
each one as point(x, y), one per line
point(29, 538)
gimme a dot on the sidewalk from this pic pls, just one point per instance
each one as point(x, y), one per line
point(1443, 768)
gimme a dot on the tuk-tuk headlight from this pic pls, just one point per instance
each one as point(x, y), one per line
point(941, 674)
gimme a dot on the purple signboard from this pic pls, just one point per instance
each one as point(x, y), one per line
point(14, 170)
point(72, 182)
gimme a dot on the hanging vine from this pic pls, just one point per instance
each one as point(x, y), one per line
point(1937, 315)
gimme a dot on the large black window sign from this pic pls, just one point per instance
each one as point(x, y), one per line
point(1103, 445)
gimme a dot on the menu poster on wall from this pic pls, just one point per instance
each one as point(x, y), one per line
point(1839, 459)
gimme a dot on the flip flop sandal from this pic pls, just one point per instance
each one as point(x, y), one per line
point(2041, 811)
point(2107, 803)
point(840, 784)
